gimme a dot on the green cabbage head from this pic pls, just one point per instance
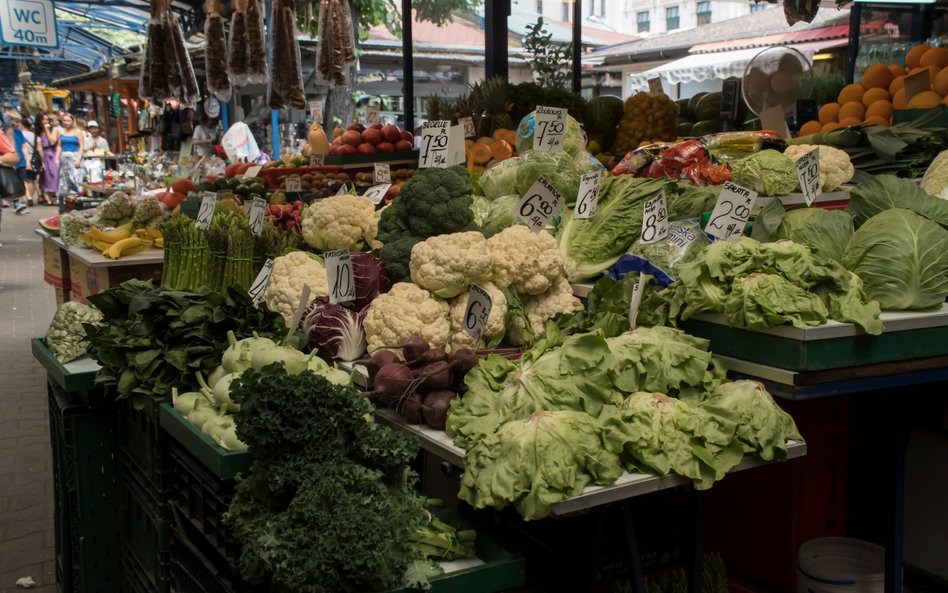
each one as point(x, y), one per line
point(768, 172)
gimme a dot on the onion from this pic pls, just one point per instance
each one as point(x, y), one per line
point(435, 408)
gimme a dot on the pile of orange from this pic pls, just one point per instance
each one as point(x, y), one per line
point(881, 91)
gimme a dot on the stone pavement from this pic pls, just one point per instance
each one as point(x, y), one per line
point(26, 474)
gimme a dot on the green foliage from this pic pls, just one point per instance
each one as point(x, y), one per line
point(550, 62)
point(527, 95)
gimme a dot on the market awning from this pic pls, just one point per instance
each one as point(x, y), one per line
point(720, 65)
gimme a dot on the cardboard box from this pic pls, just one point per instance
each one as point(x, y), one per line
point(63, 295)
point(55, 265)
point(86, 281)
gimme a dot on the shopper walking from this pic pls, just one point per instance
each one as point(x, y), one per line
point(96, 147)
point(69, 159)
point(48, 143)
point(10, 184)
point(202, 140)
point(25, 142)
point(11, 121)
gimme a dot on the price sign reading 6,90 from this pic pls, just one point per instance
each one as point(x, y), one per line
point(549, 127)
point(477, 312)
point(339, 276)
point(434, 144)
point(260, 282)
point(541, 203)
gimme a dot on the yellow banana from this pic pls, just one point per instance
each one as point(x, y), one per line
point(149, 233)
point(87, 239)
point(127, 246)
point(102, 246)
point(113, 236)
point(160, 243)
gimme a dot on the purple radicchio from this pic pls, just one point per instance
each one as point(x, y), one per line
point(335, 330)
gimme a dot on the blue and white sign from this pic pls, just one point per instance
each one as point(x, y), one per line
point(28, 22)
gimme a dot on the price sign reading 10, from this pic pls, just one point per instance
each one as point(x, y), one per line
point(588, 196)
point(549, 126)
point(541, 203)
point(434, 144)
point(477, 312)
point(654, 219)
point(808, 173)
point(339, 276)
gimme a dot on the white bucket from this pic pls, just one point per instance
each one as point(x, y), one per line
point(840, 565)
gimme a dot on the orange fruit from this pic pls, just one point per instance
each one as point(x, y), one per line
point(829, 127)
point(810, 127)
point(877, 76)
point(851, 92)
point(899, 101)
point(897, 83)
point(896, 70)
point(876, 120)
point(853, 109)
point(849, 121)
point(936, 56)
point(924, 100)
point(873, 95)
point(881, 109)
point(914, 55)
point(940, 83)
point(829, 112)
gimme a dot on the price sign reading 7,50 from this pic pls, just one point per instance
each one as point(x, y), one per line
point(339, 276)
point(434, 144)
point(549, 126)
point(539, 204)
point(808, 173)
point(477, 312)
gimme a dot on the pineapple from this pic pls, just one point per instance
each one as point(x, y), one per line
point(468, 105)
point(437, 107)
point(496, 106)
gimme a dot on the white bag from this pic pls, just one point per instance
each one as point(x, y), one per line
point(239, 143)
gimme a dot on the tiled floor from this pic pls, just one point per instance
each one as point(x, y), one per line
point(26, 479)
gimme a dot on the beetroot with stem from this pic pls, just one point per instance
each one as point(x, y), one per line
point(391, 382)
point(463, 360)
point(431, 356)
point(435, 408)
point(379, 360)
point(436, 375)
point(410, 408)
point(414, 347)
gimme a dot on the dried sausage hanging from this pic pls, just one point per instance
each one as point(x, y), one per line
point(238, 56)
point(336, 42)
point(257, 43)
point(286, 84)
point(215, 53)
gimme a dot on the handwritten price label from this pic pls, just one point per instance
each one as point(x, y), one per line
point(588, 197)
point(655, 87)
point(541, 203)
point(731, 212)
point(636, 301)
point(316, 111)
point(372, 115)
point(382, 173)
point(654, 219)
point(434, 144)
point(808, 172)
point(339, 276)
point(317, 160)
point(549, 127)
point(252, 172)
point(206, 212)
point(467, 124)
point(376, 193)
point(477, 312)
point(260, 282)
point(257, 210)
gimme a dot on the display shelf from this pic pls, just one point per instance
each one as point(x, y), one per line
point(628, 485)
point(224, 464)
point(90, 258)
point(74, 376)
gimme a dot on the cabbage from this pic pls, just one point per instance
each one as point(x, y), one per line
point(558, 168)
point(574, 139)
point(882, 192)
point(935, 181)
point(768, 172)
point(500, 179)
point(825, 232)
point(335, 330)
point(902, 259)
point(494, 216)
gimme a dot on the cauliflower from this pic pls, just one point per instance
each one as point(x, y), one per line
point(148, 211)
point(493, 330)
point(447, 264)
point(116, 210)
point(835, 166)
point(71, 226)
point(526, 259)
point(340, 222)
point(405, 311)
point(540, 309)
point(290, 273)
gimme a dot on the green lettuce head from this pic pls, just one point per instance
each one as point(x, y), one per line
point(902, 258)
point(768, 172)
point(574, 139)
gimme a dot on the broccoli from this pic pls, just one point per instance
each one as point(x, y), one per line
point(395, 256)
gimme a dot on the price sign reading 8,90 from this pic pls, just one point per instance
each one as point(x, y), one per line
point(654, 219)
point(539, 204)
point(808, 172)
point(731, 212)
point(434, 144)
point(339, 276)
point(549, 127)
point(477, 312)
point(588, 196)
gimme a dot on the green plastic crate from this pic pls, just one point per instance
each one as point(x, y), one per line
point(225, 465)
point(76, 377)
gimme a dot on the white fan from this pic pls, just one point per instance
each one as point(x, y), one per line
point(775, 77)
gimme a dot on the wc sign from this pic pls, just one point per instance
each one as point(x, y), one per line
point(28, 22)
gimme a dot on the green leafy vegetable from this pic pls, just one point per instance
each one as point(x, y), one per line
point(884, 192)
point(761, 301)
point(825, 232)
point(768, 172)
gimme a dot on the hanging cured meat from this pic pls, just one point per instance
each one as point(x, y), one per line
point(215, 52)
point(257, 43)
point(286, 85)
point(336, 42)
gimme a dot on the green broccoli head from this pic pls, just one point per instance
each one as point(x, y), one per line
point(438, 202)
point(395, 256)
point(392, 222)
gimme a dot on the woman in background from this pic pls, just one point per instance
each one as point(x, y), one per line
point(48, 142)
point(69, 159)
point(25, 142)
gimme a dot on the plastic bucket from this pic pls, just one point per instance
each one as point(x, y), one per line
point(840, 565)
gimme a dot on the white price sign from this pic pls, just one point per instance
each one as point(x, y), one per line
point(636, 301)
point(316, 111)
point(298, 313)
point(260, 282)
point(252, 172)
point(808, 172)
point(138, 187)
point(372, 115)
point(317, 160)
point(206, 212)
point(339, 276)
point(549, 127)
point(343, 190)
point(654, 219)
point(382, 173)
point(434, 144)
point(376, 193)
point(467, 124)
point(588, 196)
point(457, 155)
point(541, 203)
point(293, 183)
point(477, 312)
point(731, 212)
point(257, 210)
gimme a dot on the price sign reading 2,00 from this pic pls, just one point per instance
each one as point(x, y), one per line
point(731, 212)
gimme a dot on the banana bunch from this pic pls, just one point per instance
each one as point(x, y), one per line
point(119, 241)
point(152, 234)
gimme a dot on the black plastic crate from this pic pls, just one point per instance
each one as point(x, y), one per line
point(86, 486)
point(145, 532)
point(143, 441)
point(135, 579)
point(196, 568)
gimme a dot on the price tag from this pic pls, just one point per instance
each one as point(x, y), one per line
point(636, 299)
point(252, 172)
point(731, 212)
point(343, 190)
point(382, 173)
point(588, 196)
point(477, 312)
point(257, 210)
point(316, 111)
point(539, 204)
point(434, 144)
point(774, 118)
point(808, 172)
point(298, 314)
point(293, 183)
point(376, 193)
point(549, 126)
point(372, 115)
point(339, 276)
point(260, 282)
point(206, 212)
point(654, 219)
point(317, 160)
point(457, 155)
point(138, 188)
point(655, 87)
point(467, 124)
point(916, 83)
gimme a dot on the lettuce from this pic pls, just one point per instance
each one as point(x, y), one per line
point(768, 172)
point(761, 301)
point(574, 139)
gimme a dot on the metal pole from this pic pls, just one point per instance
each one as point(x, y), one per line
point(495, 38)
point(408, 67)
point(578, 45)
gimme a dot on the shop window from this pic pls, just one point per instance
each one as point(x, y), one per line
point(758, 6)
point(567, 11)
point(671, 18)
point(642, 21)
point(704, 12)
point(539, 6)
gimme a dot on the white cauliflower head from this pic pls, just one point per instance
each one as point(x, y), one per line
point(835, 166)
point(540, 309)
point(340, 222)
point(526, 259)
point(405, 311)
point(494, 328)
point(290, 273)
point(447, 264)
